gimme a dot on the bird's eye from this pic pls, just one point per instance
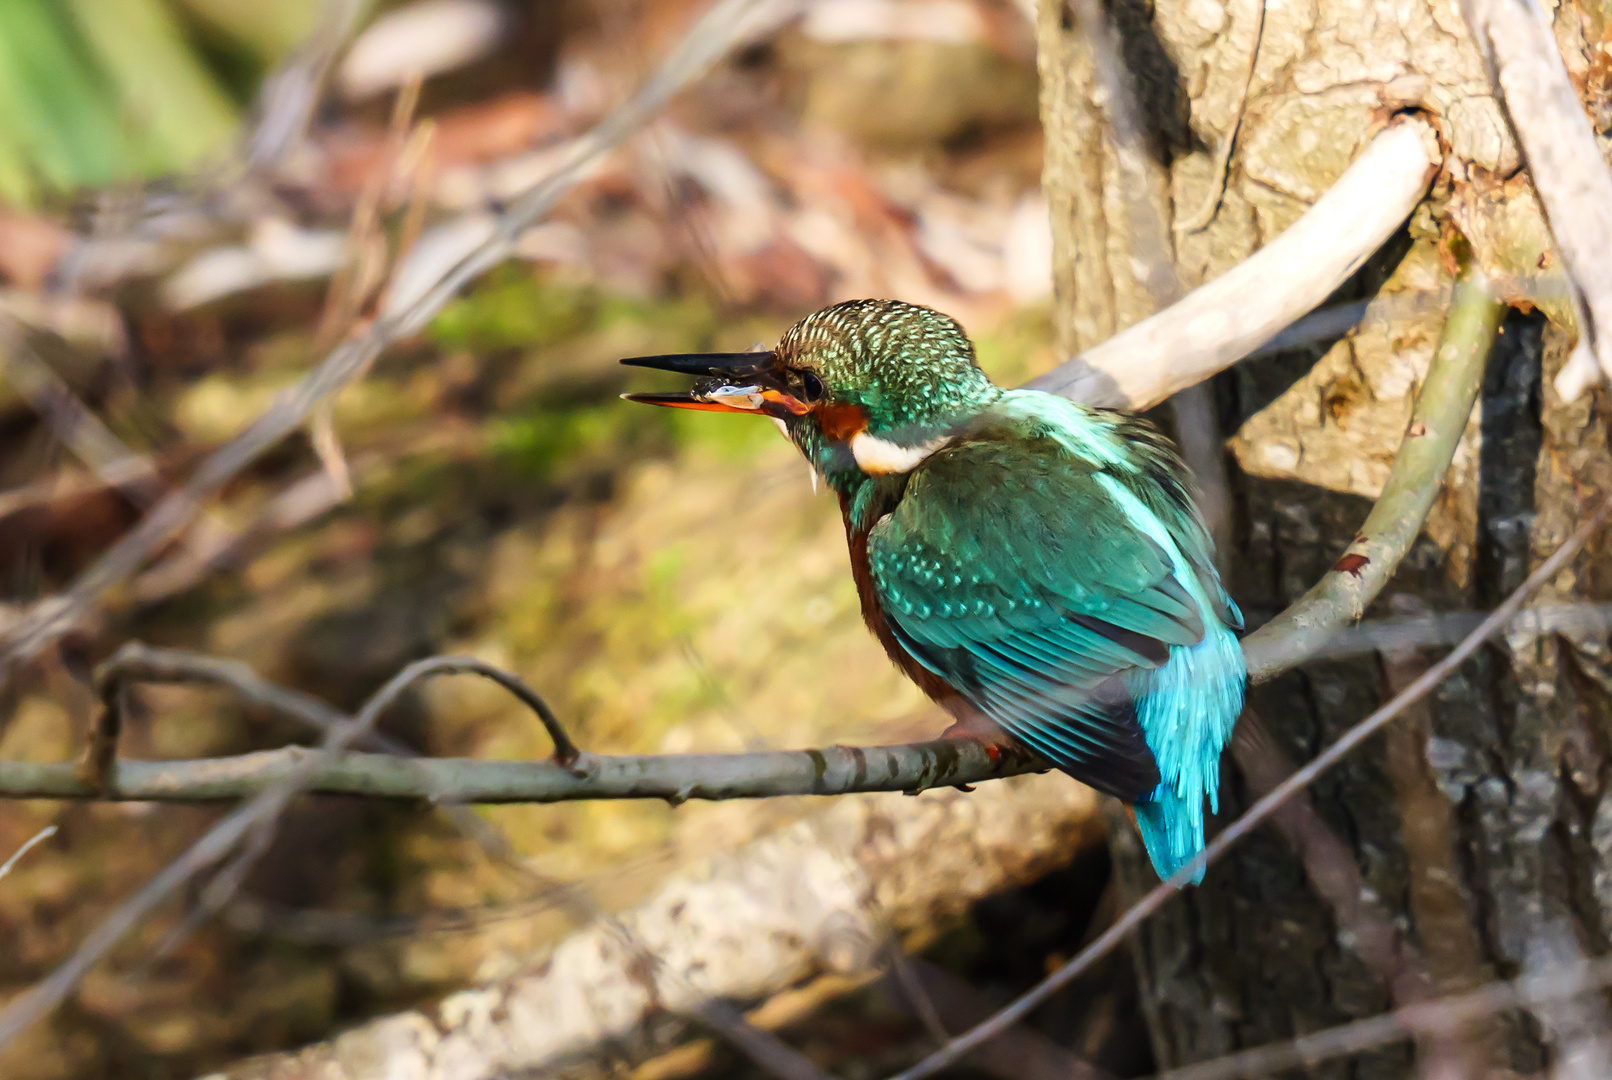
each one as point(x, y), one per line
point(812, 385)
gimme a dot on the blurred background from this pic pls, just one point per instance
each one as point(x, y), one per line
point(482, 491)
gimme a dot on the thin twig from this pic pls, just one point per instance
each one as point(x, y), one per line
point(565, 751)
point(1369, 926)
point(215, 845)
point(78, 429)
point(1438, 420)
point(1443, 1015)
point(725, 25)
point(1262, 810)
point(362, 267)
point(904, 970)
point(114, 463)
point(290, 94)
point(38, 838)
point(674, 778)
point(137, 662)
point(299, 503)
point(763, 1048)
point(101, 748)
point(1021, 1054)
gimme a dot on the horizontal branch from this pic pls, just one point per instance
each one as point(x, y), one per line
point(1219, 323)
point(836, 770)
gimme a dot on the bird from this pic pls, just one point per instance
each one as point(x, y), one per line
point(1036, 566)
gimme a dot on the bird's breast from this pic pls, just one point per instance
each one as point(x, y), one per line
point(933, 686)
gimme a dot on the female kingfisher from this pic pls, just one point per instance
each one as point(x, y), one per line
point(1019, 556)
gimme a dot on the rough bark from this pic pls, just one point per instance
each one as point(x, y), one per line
point(1489, 818)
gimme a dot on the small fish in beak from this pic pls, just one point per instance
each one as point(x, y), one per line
point(729, 382)
point(745, 398)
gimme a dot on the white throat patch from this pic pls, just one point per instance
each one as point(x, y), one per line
point(880, 457)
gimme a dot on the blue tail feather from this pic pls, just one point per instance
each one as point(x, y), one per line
point(1187, 709)
point(1171, 832)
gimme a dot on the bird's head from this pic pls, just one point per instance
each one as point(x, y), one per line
point(864, 388)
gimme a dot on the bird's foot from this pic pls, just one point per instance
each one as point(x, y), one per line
point(980, 730)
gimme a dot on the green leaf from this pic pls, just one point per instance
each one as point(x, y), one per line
point(175, 107)
point(56, 112)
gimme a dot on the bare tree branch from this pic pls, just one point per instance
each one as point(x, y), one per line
point(452, 781)
point(290, 94)
point(675, 778)
point(245, 825)
point(459, 780)
point(38, 838)
point(1222, 321)
point(1564, 162)
point(1437, 422)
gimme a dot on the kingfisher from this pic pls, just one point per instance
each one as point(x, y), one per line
point(1038, 567)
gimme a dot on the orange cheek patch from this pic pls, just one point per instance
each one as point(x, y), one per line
point(841, 423)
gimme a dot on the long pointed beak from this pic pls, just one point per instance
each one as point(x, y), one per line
point(730, 367)
point(726, 382)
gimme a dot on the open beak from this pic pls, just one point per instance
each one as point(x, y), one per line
point(725, 382)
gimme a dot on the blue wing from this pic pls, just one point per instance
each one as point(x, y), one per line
point(1056, 598)
point(1013, 574)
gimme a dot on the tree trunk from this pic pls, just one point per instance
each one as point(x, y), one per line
point(1483, 821)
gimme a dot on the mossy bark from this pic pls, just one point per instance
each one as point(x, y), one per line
point(1484, 820)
